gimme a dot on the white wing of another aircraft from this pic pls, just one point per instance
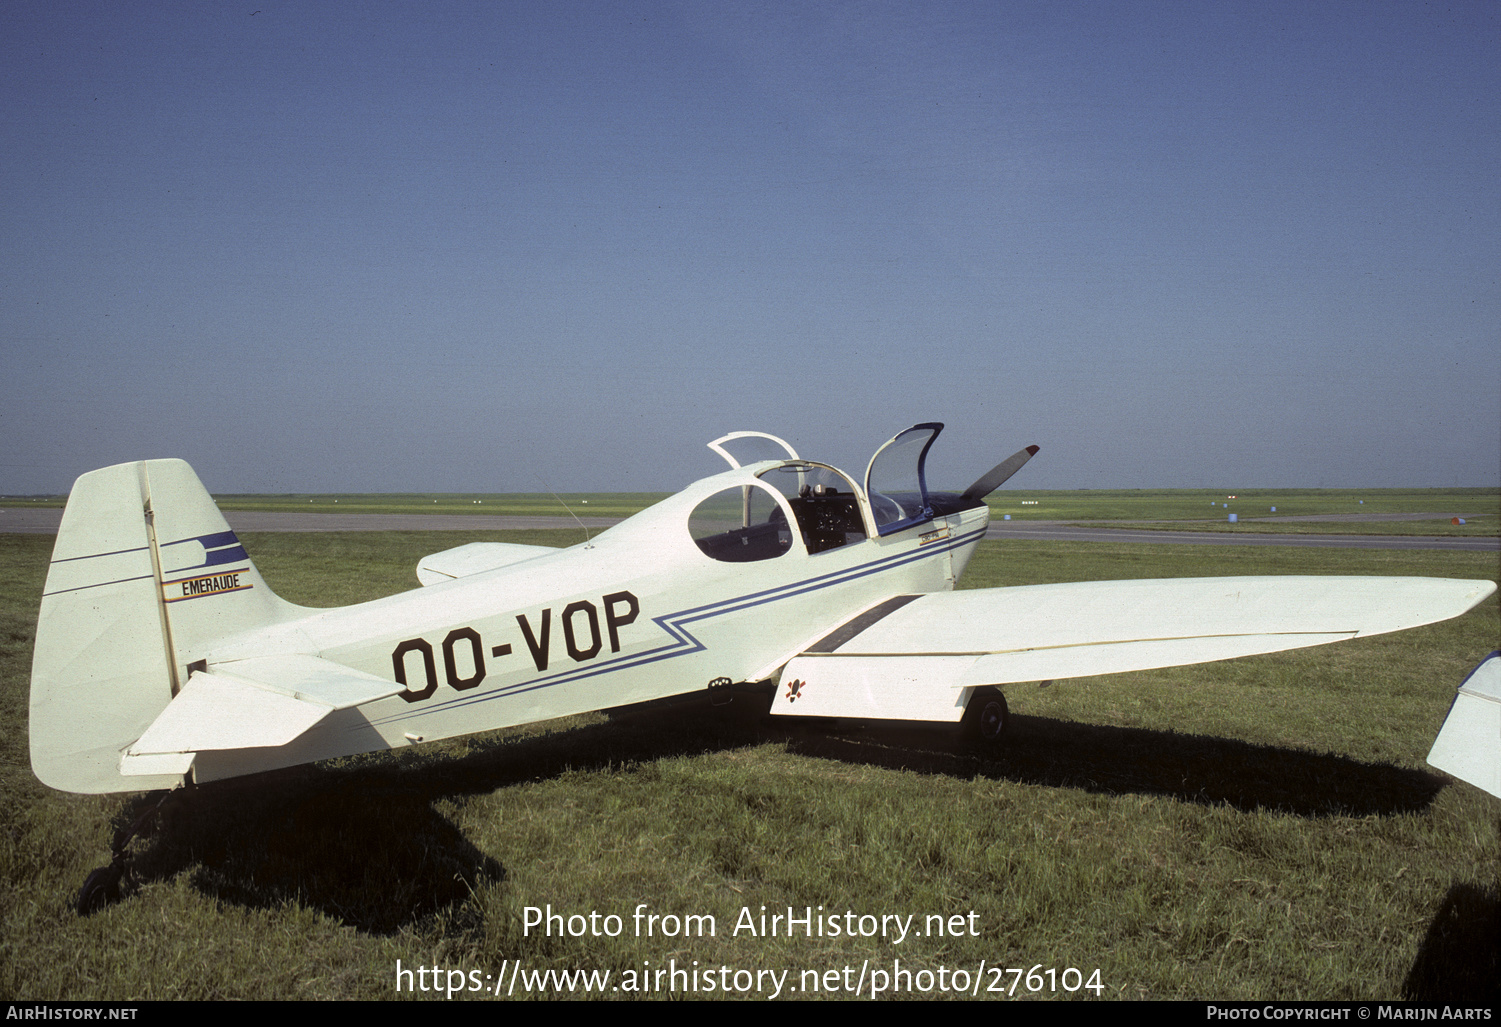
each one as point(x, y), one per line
point(1469, 744)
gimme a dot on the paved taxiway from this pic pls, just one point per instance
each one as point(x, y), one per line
point(45, 521)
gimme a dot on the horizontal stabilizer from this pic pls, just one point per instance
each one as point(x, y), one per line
point(1469, 744)
point(255, 703)
point(476, 557)
point(949, 641)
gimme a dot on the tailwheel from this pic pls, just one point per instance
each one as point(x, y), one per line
point(102, 886)
point(985, 719)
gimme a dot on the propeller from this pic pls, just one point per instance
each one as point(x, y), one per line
point(997, 475)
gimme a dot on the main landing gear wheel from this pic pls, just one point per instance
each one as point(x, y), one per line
point(985, 719)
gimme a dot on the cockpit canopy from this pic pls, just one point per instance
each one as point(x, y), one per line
point(740, 524)
point(746, 522)
point(896, 482)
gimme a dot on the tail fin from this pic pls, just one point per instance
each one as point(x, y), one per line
point(145, 575)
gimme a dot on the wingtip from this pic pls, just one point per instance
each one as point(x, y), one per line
point(1032, 450)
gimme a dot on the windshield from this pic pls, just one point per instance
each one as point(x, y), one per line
point(824, 501)
point(895, 480)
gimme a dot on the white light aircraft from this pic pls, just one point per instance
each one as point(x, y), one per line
point(162, 658)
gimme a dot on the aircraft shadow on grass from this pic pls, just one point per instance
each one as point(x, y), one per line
point(1190, 768)
point(366, 842)
point(316, 838)
point(369, 845)
point(1460, 957)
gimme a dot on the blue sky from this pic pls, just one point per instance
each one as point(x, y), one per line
point(484, 247)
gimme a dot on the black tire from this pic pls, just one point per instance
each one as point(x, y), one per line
point(985, 719)
point(100, 888)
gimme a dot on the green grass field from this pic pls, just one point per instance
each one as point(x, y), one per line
point(1209, 510)
point(1263, 828)
point(544, 504)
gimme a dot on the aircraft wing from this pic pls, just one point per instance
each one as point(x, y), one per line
point(913, 656)
point(462, 561)
point(249, 704)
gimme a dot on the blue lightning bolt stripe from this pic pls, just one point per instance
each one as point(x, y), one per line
point(683, 642)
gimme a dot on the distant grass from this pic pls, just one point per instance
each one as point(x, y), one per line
point(1254, 829)
point(1193, 504)
point(1209, 510)
point(1475, 527)
point(582, 504)
point(332, 568)
point(545, 504)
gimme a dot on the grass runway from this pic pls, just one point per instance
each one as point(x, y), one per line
point(1263, 828)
